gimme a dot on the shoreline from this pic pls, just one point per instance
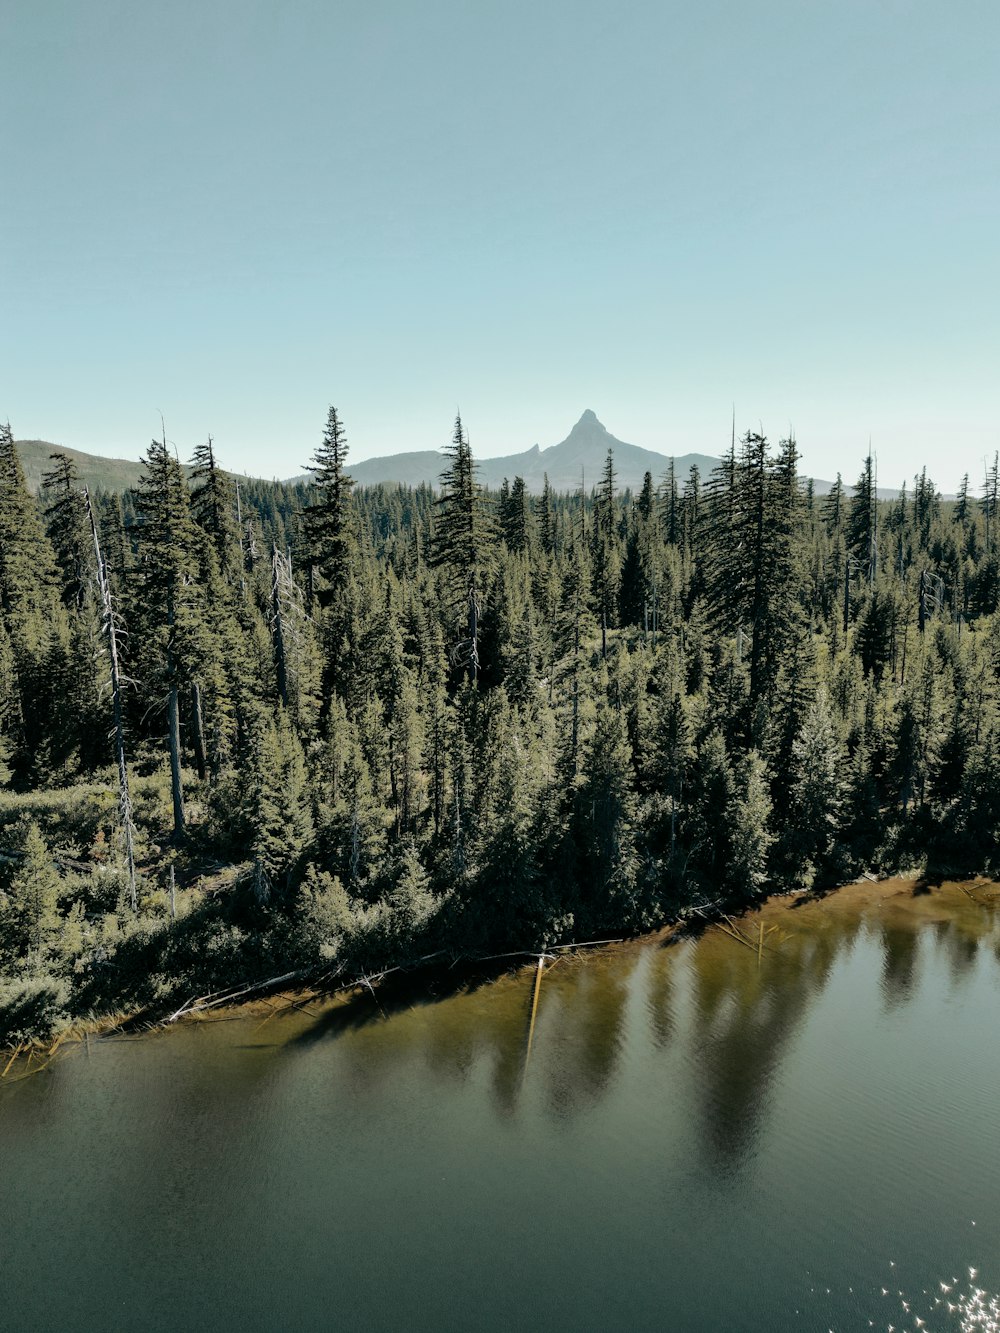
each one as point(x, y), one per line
point(417, 980)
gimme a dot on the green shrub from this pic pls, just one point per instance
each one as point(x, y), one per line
point(32, 1008)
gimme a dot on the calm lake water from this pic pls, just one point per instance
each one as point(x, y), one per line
point(695, 1141)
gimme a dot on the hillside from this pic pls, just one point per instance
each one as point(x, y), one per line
point(109, 474)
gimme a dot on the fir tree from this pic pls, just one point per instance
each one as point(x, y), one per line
point(464, 536)
point(330, 519)
point(32, 913)
point(546, 519)
point(170, 609)
point(68, 529)
point(816, 788)
point(862, 522)
point(606, 552)
point(213, 504)
point(749, 832)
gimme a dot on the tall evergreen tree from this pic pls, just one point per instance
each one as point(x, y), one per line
point(213, 504)
point(169, 610)
point(330, 520)
point(862, 522)
point(464, 548)
point(30, 613)
point(546, 519)
point(606, 552)
point(33, 913)
point(68, 529)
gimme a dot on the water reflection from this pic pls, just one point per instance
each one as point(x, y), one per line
point(959, 948)
point(899, 963)
point(695, 1122)
point(725, 1012)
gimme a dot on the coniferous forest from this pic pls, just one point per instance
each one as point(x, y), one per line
point(253, 730)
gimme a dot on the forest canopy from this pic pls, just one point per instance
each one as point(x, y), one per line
point(249, 727)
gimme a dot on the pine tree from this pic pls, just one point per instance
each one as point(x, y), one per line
point(816, 787)
point(546, 519)
point(33, 912)
point(410, 899)
point(279, 818)
point(463, 548)
point(169, 609)
point(27, 567)
point(749, 833)
point(751, 551)
point(437, 726)
point(669, 760)
point(515, 518)
point(606, 552)
point(115, 543)
point(606, 816)
point(213, 504)
point(574, 626)
point(833, 507)
point(963, 508)
point(862, 522)
point(81, 736)
point(670, 508)
point(331, 520)
point(31, 615)
point(706, 825)
point(68, 528)
point(990, 501)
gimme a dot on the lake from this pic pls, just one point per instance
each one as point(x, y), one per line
point(694, 1137)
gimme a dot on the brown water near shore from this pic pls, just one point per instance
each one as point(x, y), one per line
point(719, 1131)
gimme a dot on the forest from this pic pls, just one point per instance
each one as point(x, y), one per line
point(253, 730)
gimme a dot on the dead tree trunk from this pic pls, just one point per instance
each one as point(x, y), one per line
point(174, 740)
point(279, 629)
point(239, 529)
point(473, 634)
point(111, 630)
point(198, 731)
point(174, 730)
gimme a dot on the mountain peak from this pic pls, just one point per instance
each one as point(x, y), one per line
point(589, 418)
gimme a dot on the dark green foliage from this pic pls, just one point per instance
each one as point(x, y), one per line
point(213, 497)
point(68, 530)
point(750, 548)
point(30, 908)
point(330, 519)
point(366, 725)
point(464, 550)
point(31, 1009)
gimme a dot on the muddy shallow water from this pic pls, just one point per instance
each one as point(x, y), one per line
point(696, 1137)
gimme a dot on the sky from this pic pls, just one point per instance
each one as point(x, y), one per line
point(237, 212)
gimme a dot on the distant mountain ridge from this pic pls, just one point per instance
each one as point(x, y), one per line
point(580, 456)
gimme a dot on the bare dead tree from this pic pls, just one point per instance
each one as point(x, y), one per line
point(239, 529)
point(111, 625)
point(278, 576)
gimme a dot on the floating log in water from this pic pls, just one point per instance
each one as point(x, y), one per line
point(534, 1010)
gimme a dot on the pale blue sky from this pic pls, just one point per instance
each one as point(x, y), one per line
point(241, 212)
